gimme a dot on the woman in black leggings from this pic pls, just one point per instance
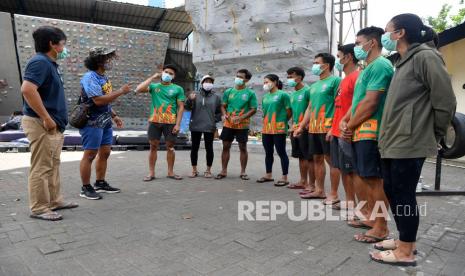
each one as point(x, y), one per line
point(206, 112)
point(276, 108)
point(418, 109)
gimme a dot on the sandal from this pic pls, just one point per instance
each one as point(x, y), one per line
point(220, 176)
point(305, 191)
point(264, 179)
point(358, 224)
point(66, 205)
point(296, 186)
point(336, 206)
point(49, 216)
point(281, 183)
point(175, 177)
point(194, 174)
point(148, 178)
point(207, 174)
point(388, 245)
point(388, 257)
point(331, 202)
point(312, 196)
point(363, 237)
point(244, 177)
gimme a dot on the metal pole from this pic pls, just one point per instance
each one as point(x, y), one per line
point(341, 21)
point(361, 15)
point(437, 180)
point(366, 12)
point(331, 36)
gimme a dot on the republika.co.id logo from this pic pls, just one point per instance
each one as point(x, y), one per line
point(269, 210)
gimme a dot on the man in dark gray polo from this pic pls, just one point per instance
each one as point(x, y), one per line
point(45, 119)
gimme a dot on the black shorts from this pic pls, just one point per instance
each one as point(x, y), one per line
point(367, 160)
point(156, 130)
point(228, 134)
point(300, 146)
point(317, 144)
point(341, 155)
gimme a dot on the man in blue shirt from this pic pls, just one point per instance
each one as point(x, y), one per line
point(97, 134)
point(45, 119)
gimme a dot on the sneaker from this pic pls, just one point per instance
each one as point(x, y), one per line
point(104, 187)
point(87, 191)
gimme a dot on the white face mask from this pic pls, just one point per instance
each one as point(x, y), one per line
point(207, 86)
point(267, 87)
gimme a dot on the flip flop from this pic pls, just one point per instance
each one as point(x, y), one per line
point(49, 216)
point(66, 205)
point(312, 196)
point(175, 177)
point(331, 201)
point(148, 178)
point(363, 237)
point(296, 186)
point(388, 257)
point(388, 245)
point(336, 206)
point(305, 191)
point(244, 177)
point(281, 183)
point(263, 180)
point(358, 224)
point(220, 176)
point(349, 218)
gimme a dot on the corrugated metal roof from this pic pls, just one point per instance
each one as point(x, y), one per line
point(176, 21)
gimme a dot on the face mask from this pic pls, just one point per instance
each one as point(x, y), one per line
point(207, 86)
point(238, 81)
point(291, 82)
point(339, 66)
point(165, 77)
point(316, 69)
point(267, 87)
point(108, 66)
point(64, 54)
point(360, 53)
point(387, 42)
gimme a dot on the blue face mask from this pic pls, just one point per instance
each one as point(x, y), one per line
point(238, 81)
point(339, 66)
point(316, 69)
point(165, 77)
point(291, 82)
point(360, 53)
point(64, 54)
point(387, 42)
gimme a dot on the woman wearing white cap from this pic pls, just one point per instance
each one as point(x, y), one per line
point(206, 112)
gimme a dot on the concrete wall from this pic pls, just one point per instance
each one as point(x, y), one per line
point(454, 56)
point(10, 94)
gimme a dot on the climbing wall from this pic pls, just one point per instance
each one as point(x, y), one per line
point(261, 36)
point(10, 95)
point(139, 54)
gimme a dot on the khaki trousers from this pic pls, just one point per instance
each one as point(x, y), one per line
point(44, 174)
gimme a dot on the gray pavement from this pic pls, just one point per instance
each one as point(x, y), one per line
point(191, 227)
